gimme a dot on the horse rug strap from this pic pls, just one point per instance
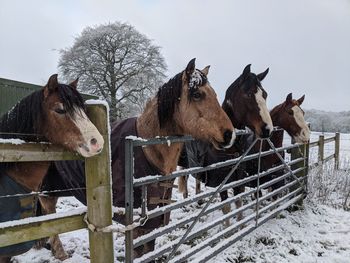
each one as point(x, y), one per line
point(14, 208)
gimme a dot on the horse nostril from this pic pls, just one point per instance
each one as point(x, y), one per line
point(93, 141)
point(227, 136)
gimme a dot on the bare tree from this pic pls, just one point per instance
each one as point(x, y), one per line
point(117, 63)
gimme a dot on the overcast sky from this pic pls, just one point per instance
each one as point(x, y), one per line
point(305, 43)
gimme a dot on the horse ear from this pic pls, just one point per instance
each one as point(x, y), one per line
point(262, 75)
point(245, 72)
point(74, 84)
point(289, 97)
point(205, 71)
point(300, 101)
point(191, 66)
point(52, 84)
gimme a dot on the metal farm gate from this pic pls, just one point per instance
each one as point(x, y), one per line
point(256, 212)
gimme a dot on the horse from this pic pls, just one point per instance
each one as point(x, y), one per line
point(185, 105)
point(54, 114)
point(288, 116)
point(245, 104)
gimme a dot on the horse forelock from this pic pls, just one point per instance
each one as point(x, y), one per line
point(196, 80)
point(71, 99)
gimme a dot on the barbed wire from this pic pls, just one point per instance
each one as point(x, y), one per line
point(42, 193)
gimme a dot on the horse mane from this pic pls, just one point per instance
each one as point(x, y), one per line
point(26, 118)
point(168, 96)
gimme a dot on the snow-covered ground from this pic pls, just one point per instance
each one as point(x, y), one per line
point(319, 233)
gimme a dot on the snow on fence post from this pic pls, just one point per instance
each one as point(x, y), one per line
point(98, 190)
point(321, 149)
point(337, 150)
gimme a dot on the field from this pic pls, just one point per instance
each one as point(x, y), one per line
point(319, 233)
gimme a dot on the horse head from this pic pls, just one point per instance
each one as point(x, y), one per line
point(290, 117)
point(245, 103)
point(65, 121)
point(189, 102)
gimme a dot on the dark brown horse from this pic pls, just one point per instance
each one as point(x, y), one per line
point(185, 105)
point(290, 118)
point(245, 104)
point(54, 114)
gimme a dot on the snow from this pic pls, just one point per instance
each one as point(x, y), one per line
point(97, 102)
point(135, 138)
point(319, 233)
point(12, 141)
point(195, 79)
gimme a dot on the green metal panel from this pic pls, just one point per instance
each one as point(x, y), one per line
point(12, 91)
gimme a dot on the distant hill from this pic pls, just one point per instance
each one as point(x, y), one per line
point(325, 121)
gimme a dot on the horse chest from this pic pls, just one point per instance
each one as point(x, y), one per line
point(157, 194)
point(14, 208)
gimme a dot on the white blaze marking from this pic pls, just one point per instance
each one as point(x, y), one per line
point(88, 131)
point(299, 118)
point(264, 112)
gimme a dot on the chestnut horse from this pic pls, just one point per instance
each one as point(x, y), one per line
point(245, 104)
point(54, 114)
point(185, 105)
point(290, 118)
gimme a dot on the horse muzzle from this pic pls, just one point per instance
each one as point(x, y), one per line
point(91, 147)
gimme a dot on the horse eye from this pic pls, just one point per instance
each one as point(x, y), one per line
point(197, 96)
point(60, 111)
point(290, 112)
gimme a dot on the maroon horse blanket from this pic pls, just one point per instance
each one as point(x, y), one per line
point(67, 174)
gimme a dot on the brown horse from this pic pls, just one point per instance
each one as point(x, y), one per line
point(245, 104)
point(290, 117)
point(185, 105)
point(54, 114)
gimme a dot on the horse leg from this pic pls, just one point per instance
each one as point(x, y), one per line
point(226, 208)
point(238, 202)
point(48, 204)
point(183, 186)
point(148, 247)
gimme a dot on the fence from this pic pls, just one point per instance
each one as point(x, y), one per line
point(320, 143)
point(256, 211)
point(98, 188)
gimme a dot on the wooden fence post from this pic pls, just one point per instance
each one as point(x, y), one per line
point(321, 149)
point(337, 150)
point(98, 191)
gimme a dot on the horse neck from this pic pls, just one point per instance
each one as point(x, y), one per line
point(163, 156)
point(29, 174)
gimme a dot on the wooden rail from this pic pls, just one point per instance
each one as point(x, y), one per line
point(99, 209)
point(320, 143)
